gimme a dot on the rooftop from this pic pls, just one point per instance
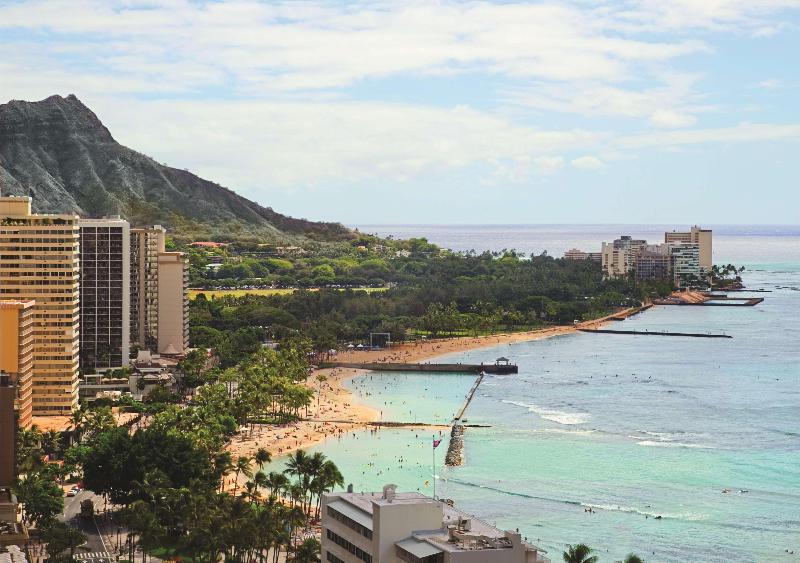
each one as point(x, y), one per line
point(59, 423)
point(364, 500)
point(459, 532)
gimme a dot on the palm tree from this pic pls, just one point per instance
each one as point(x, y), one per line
point(251, 491)
point(98, 420)
point(632, 558)
point(243, 467)
point(262, 457)
point(313, 474)
point(297, 465)
point(29, 449)
point(77, 422)
point(326, 480)
point(223, 465)
point(51, 443)
point(276, 482)
point(580, 553)
point(260, 481)
point(307, 552)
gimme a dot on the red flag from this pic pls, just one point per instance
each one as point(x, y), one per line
point(436, 442)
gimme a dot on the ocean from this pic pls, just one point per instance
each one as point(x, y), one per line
point(704, 433)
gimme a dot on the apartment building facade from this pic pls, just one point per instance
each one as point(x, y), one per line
point(703, 238)
point(16, 354)
point(686, 269)
point(159, 293)
point(575, 254)
point(173, 303)
point(145, 244)
point(618, 259)
point(391, 527)
point(39, 261)
point(615, 262)
point(654, 263)
point(105, 293)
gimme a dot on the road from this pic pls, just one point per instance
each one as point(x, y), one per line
point(95, 549)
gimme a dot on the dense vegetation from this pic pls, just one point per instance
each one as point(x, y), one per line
point(165, 472)
point(430, 292)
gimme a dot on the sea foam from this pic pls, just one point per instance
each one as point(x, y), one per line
point(559, 417)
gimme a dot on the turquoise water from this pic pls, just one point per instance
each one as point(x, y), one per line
point(634, 426)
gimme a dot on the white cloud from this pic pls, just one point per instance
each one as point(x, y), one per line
point(770, 84)
point(549, 164)
point(269, 48)
point(743, 16)
point(253, 144)
point(257, 94)
point(741, 133)
point(588, 162)
point(671, 119)
point(672, 104)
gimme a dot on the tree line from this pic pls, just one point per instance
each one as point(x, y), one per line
point(445, 295)
point(165, 473)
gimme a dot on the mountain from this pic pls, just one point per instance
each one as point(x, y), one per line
point(58, 152)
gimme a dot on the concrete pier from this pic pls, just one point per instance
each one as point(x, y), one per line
point(716, 301)
point(654, 333)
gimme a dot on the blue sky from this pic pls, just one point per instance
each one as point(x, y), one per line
point(637, 111)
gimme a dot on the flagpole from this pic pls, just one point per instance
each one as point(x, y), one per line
point(433, 451)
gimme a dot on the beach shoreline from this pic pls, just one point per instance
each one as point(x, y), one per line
point(335, 411)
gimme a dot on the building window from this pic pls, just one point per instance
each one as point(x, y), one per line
point(333, 559)
point(349, 522)
point(344, 544)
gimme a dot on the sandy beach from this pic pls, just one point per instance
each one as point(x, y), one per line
point(337, 412)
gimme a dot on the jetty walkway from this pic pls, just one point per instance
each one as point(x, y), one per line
point(714, 301)
point(654, 333)
point(455, 449)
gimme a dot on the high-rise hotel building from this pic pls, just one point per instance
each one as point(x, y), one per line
point(39, 261)
point(159, 297)
point(105, 293)
point(16, 354)
point(145, 246)
point(703, 238)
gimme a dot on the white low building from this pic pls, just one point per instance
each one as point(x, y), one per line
point(391, 527)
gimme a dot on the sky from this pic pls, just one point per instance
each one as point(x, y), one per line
point(583, 111)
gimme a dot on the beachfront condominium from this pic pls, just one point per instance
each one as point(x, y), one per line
point(686, 270)
point(392, 527)
point(575, 254)
point(159, 296)
point(16, 354)
point(173, 303)
point(618, 259)
point(703, 238)
point(39, 261)
point(105, 293)
point(654, 263)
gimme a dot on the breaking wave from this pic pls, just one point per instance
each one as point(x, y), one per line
point(553, 415)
